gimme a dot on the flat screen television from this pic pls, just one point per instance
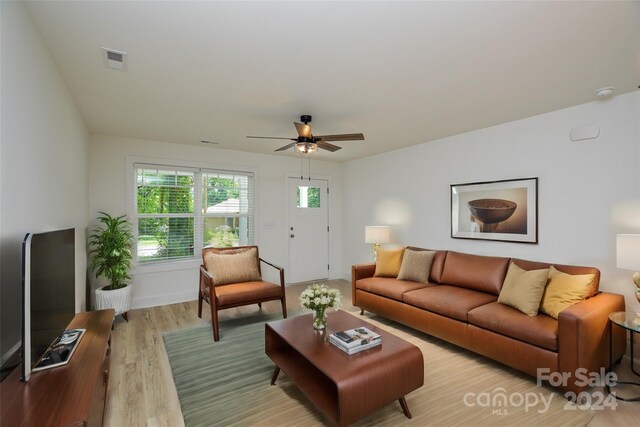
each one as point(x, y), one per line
point(48, 285)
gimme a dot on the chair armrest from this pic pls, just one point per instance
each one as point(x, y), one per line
point(206, 279)
point(583, 335)
point(280, 269)
point(360, 271)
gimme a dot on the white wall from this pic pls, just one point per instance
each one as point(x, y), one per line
point(167, 283)
point(588, 191)
point(44, 155)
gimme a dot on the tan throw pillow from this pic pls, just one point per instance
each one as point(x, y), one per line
point(564, 290)
point(416, 265)
point(234, 267)
point(523, 289)
point(388, 262)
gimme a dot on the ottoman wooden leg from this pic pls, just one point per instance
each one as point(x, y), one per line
point(405, 408)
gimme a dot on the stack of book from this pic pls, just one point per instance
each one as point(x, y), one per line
point(355, 340)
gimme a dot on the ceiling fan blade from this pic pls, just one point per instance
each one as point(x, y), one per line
point(272, 137)
point(286, 147)
point(303, 130)
point(327, 146)
point(341, 137)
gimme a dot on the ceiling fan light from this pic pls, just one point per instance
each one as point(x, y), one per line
point(306, 147)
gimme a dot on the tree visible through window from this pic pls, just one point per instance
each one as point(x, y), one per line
point(308, 197)
point(179, 211)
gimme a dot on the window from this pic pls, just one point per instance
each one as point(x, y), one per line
point(181, 210)
point(308, 197)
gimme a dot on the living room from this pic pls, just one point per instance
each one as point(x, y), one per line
point(73, 131)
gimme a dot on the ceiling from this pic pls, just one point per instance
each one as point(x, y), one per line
point(401, 73)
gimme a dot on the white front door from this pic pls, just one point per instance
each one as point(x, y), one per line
point(308, 230)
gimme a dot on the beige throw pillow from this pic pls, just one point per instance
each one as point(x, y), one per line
point(564, 290)
point(388, 262)
point(523, 289)
point(234, 267)
point(416, 265)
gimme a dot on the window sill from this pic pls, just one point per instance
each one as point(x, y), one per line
point(162, 266)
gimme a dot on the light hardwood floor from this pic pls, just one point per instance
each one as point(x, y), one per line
point(141, 389)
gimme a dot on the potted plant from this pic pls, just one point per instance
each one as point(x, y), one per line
point(111, 253)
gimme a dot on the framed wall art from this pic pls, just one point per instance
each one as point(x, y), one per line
point(496, 210)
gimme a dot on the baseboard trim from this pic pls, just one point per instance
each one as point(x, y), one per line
point(166, 299)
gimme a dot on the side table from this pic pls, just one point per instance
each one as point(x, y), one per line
point(629, 320)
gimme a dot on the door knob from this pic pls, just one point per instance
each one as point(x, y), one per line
point(292, 236)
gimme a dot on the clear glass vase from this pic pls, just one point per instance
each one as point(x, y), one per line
point(319, 319)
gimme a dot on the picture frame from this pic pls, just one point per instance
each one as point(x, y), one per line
point(505, 211)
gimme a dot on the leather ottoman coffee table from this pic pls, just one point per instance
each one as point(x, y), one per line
point(344, 388)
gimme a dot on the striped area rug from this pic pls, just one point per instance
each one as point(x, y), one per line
point(228, 383)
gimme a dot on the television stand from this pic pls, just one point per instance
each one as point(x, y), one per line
point(71, 394)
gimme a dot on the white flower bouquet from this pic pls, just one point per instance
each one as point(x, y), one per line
point(318, 297)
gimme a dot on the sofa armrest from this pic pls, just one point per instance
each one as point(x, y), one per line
point(583, 336)
point(360, 271)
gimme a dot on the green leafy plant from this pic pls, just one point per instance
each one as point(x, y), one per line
point(112, 250)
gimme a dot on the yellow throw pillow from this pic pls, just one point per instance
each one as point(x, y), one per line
point(233, 268)
point(523, 289)
point(388, 262)
point(564, 290)
point(416, 266)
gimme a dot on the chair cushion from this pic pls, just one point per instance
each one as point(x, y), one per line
point(540, 330)
point(388, 287)
point(564, 290)
point(233, 267)
point(523, 289)
point(449, 301)
point(388, 262)
point(238, 293)
point(416, 265)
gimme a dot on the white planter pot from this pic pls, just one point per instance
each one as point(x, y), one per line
point(118, 299)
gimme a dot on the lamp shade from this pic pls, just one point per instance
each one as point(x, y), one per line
point(628, 251)
point(377, 234)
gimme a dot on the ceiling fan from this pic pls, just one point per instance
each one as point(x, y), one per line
point(307, 143)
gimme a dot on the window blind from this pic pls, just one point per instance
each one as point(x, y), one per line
point(181, 210)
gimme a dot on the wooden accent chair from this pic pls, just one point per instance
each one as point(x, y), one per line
point(223, 295)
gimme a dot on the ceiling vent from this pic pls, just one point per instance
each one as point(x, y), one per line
point(114, 59)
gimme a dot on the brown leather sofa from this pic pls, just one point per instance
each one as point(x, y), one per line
point(459, 305)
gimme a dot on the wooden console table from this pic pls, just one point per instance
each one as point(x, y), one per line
point(69, 395)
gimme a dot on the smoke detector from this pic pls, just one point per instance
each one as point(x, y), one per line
point(114, 59)
point(605, 91)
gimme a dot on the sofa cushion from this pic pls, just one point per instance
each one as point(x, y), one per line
point(540, 330)
point(569, 269)
point(246, 291)
point(388, 287)
point(478, 272)
point(416, 265)
point(523, 289)
point(564, 290)
point(235, 267)
point(388, 262)
point(449, 301)
point(435, 276)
